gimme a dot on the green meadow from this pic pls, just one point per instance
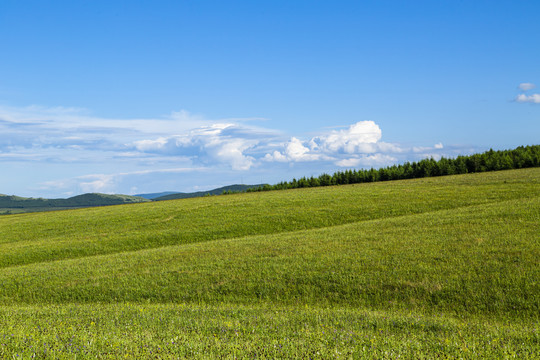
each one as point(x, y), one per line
point(441, 267)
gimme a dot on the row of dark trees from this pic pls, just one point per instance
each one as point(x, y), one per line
point(521, 157)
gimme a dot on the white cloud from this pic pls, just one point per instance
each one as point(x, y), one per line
point(426, 149)
point(49, 132)
point(357, 138)
point(296, 151)
point(151, 145)
point(72, 135)
point(389, 148)
point(526, 86)
point(524, 98)
point(231, 151)
point(378, 160)
point(347, 147)
point(108, 183)
point(97, 183)
point(217, 143)
point(68, 134)
point(350, 162)
point(534, 98)
point(276, 156)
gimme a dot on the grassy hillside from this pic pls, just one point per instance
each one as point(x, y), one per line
point(40, 237)
point(436, 267)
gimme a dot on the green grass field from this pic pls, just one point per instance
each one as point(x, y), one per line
point(429, 268)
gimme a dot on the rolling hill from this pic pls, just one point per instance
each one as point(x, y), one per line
point(151, 196)
point(11, 204)
point(218, 191)
point(443, 267)
point(17, 204)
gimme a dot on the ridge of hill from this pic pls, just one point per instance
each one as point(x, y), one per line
point(225, 189)
point(12, 203)
point(151, 196)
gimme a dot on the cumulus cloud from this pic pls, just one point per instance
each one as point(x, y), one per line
point(71, 135)
point(354, 139)
point(239, 146)
point(295, 150)
point(222, 143)
point(533, 99)
point(526, 86)
point(231, 151)
point(352, 146)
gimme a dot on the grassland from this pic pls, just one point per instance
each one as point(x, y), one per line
point(437, 267)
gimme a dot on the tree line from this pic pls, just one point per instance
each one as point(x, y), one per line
point(521, 157)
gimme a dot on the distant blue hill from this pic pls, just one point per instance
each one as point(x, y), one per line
point(11, 204)
point(218, 191)
point(156, 195)
point(17, 204)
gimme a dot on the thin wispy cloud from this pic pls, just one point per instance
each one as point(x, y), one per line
point(376, 160)
point(526, 86)
point(111, 183)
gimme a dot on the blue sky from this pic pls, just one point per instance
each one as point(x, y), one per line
point(138, 96)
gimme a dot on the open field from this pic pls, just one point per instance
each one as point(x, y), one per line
point(435, 267)
point(172, 331)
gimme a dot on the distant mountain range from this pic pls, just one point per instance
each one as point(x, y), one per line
point(11, 204)
point(156, 195)
point(179, 195)
point(17, 204)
